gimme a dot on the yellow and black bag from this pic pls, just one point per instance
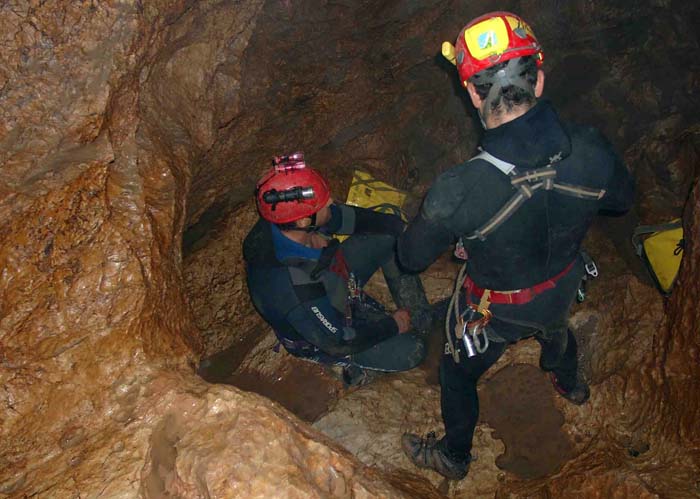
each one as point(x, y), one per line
point(661, 249)
point(368, 192)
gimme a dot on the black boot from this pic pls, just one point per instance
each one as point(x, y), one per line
point(426, 453)
point(565, 375)
point(578, 395)
point(355, 376)
point(553, 348)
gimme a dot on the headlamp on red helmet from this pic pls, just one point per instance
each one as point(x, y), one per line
point(491, 39)
point(284, 164)
point(290, 191)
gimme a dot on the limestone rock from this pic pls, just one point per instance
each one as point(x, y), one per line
point(94, 174)
point(370, 421)
point(218, 295)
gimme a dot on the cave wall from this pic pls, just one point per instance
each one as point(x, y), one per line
point(677, 360)
point(86, 294)
point(98, 130)
point(351, 84)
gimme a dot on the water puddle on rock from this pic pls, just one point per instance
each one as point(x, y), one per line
point(304, 388)
point(517, 402)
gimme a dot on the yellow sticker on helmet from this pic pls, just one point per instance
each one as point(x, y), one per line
point(487, 38)
point(519, 28)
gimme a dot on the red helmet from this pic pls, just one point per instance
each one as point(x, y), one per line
point(491, 39)
point(290, 190)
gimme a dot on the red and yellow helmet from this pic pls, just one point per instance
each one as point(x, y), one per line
point(290, 190)
point(491, 39)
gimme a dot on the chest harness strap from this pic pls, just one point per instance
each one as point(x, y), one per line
point(525, 185)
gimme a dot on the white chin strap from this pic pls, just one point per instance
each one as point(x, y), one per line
point(481, 118)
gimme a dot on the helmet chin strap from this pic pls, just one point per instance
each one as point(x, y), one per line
point(309, 228)
point(481, 118)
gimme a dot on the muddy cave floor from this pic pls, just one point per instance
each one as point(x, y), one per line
point(516, 401)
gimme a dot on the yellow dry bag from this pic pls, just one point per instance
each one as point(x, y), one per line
point(661, 249)
point(368, 192)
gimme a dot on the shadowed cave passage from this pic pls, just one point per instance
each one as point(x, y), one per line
point(131, 137)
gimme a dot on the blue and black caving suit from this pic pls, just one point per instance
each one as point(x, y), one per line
point(303, 293)
point(540, 242)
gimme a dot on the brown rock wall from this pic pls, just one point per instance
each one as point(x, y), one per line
point(93, 183)
point(217, 442)
point(215, 283)
point(677, 363)
point(350, 85)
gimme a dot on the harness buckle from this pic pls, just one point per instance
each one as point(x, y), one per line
point(460, 251)
point(591, 269)
point(448, 349)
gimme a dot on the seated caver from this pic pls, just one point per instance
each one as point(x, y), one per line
point(308, 286)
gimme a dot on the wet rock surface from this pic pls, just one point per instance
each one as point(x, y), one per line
point(131, 136)
point(214, 276)
point(517, 402)
point(305, 388)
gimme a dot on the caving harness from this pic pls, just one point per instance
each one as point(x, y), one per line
point(473, 321)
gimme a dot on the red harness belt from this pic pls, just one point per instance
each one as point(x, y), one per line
point(518, 296)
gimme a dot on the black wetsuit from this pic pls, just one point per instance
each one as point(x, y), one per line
point(303, 292)
point(538, 242)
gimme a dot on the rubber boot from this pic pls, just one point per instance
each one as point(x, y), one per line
point(553, 349)
point(355, 376)
point(426, 453)
point(407, 292)
point(578, 395)
point(352, 376)
point(565, 375)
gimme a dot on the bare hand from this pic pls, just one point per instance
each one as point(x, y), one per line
point(318, 241)
point(403, 320)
